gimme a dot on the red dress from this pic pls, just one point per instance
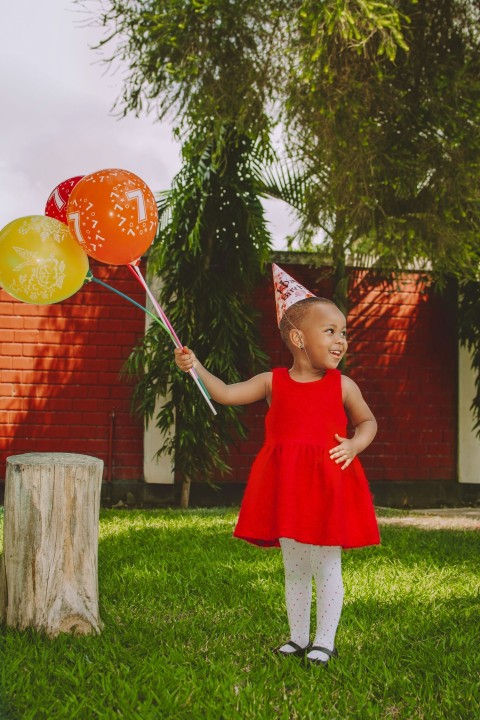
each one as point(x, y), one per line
point(295, 490)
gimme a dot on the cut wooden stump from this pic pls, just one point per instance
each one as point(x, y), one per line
point(49, 566)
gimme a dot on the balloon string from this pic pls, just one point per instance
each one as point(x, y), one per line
point(91, 277)
point(135, 270)
point(137, 273)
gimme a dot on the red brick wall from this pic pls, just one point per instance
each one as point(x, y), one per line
point(60, 374)
point(403, 355)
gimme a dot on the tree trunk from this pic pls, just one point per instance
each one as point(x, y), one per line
point(340, 275)
point(185, 494)
point(48, 570)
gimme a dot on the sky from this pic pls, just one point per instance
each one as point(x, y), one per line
point(57, 119)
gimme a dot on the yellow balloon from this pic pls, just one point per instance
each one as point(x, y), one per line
point(40, 261)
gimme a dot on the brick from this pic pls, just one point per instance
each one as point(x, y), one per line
point(9, 376)
point(10, 403)
point(129, 474)
point(60, 432)
point(394, 473)
point(124, 441)
point(22, 363)
point(8, 307)
point(28, 323)
point(11, 349)
point(8, 336)
point(445, 473)
point(9, 323)
point(24, 309)
point(6, 390)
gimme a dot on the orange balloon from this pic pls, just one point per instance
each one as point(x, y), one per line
point(113, 215)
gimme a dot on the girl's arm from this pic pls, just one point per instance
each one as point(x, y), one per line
point(362, 420)
point(258, 387)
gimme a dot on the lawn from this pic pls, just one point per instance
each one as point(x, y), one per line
point(191, 616)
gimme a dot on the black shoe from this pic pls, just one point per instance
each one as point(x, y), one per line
point(317, 661)
point(297, 652)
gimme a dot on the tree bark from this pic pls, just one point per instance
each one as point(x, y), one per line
point(185, 493)
point(49, 566)
point(340, 275)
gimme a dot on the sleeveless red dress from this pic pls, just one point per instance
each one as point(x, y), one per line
point(295, 490)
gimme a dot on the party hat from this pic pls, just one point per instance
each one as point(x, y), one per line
point(287, 291)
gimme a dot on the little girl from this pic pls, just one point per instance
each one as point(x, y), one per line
point(307, 492)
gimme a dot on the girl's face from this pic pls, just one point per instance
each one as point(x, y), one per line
point(324, 334)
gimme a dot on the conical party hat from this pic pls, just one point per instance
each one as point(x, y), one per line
point(287, 291)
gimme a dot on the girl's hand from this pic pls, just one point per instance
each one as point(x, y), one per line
point(185, 359)
point(344, 452)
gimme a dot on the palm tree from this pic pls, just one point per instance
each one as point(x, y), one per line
point(211, 251)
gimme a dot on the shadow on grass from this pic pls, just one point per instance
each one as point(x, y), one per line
point(182, 577)
point(412, 546)
point(5, 714)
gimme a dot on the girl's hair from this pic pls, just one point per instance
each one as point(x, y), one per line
point(295, 314)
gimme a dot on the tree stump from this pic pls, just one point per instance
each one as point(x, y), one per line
point(49, 566)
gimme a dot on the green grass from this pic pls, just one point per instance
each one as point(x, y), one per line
point(191, 616)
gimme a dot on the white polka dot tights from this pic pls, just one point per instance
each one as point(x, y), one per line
point(324, 564)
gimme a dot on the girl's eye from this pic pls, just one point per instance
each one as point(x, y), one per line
point(332, 332)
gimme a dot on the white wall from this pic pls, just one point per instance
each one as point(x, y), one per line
point(468, 441)
point(156, 470)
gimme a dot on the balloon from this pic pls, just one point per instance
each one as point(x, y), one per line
point(40, 261)
point(113, 215)
point(56, 206)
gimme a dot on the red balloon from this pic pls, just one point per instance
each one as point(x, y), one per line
point(56, 206)
point(113, 215)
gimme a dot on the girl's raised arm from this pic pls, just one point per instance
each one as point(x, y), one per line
point(258, 387)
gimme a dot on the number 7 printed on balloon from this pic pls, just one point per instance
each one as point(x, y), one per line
point(58, 200)
point(138, 196)
point(75, 218)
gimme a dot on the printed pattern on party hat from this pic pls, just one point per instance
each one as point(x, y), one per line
point(287, 291)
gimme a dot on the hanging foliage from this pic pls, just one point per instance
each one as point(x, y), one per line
point(383, 110)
